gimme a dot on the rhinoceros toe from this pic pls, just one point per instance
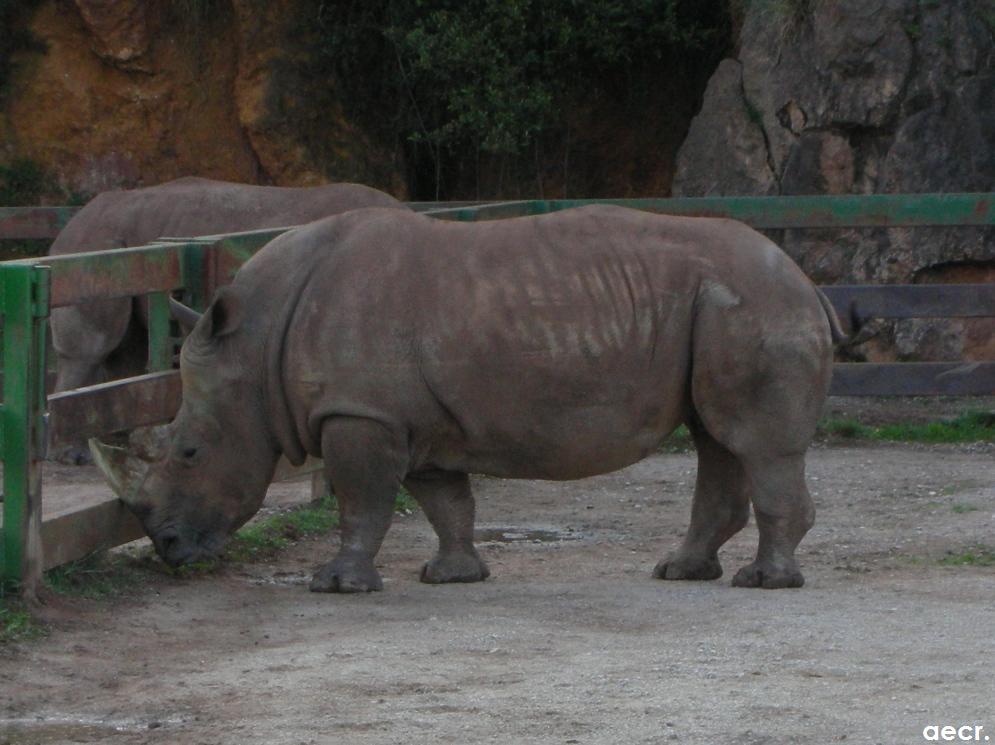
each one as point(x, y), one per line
point(342, 576)
point(677, 566)
point(768, 575)
point(454, 567)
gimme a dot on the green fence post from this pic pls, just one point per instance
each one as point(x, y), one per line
point(160, 339)
point(25, 309)
point(193, 269)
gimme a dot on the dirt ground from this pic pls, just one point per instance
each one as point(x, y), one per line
point(571, 640)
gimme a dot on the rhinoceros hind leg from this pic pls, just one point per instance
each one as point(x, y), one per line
point(678, 566)
point(721, 508)
point(760, 374)
point(347, 574)
point(443, 568)
point(364, 463)
point(784, 512)
point(448, 504)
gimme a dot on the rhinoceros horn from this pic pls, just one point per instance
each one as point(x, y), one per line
point(126, 468)
point(124, 471)
point(187, 317)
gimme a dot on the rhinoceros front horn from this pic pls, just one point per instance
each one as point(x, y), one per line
point(125, 472)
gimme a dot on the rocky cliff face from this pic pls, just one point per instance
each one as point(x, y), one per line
point(859, 97)
point(822, 96)
point(130, 92)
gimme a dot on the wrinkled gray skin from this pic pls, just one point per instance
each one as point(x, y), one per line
point(416, 351)
point(107, 339)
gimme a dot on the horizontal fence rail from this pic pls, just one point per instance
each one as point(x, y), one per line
point(110, 407)
point(865, 211)
point(195, 267)
point(837, 211)
point(45, 223)
point(104, 275)
point(913, 379)
point(912, 301)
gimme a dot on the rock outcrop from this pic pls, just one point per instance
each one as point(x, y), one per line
point(860, 97)
point(128, 93)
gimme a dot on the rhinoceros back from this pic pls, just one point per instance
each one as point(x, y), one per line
point(574, 326)
point(196, 206)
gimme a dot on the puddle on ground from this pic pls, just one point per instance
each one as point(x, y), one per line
point(507, 534)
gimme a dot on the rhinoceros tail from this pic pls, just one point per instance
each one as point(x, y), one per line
point(839, 338)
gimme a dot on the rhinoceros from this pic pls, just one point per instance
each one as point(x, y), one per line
point(406, 350)
point(107, 339)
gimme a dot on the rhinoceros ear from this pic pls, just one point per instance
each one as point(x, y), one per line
point(225, 313)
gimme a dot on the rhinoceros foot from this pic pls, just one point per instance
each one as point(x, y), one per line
point(678, 566)
point(73, 455)
point(347, 575)
point(455, 567)
point(769, 575)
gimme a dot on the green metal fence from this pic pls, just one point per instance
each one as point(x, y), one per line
point(29, 289)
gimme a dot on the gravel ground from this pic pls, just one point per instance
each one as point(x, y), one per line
point(571, 640)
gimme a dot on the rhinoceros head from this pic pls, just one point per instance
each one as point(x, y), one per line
point(193, 482)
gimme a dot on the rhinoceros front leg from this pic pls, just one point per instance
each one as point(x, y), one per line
point(364, 465)
point(448, 504)
point(721, 508)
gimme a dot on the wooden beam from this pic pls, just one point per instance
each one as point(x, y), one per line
point(101, 275)
point(77, 532)
point(913, 301)
point(231, 252)
point(73, 534)
point(110, 407)
point(913, 379)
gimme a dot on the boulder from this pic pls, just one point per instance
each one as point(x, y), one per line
point(861, 97)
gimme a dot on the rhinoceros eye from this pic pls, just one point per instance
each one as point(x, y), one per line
point(188, 455)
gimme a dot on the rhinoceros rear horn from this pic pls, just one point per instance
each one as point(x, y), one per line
point(124, 471)
point(187, 317)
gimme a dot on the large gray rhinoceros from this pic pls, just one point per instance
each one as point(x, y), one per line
point(405, 350)
point(107, 339)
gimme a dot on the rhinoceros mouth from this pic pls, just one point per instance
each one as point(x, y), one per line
point(178, 550)
point(126, 471)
